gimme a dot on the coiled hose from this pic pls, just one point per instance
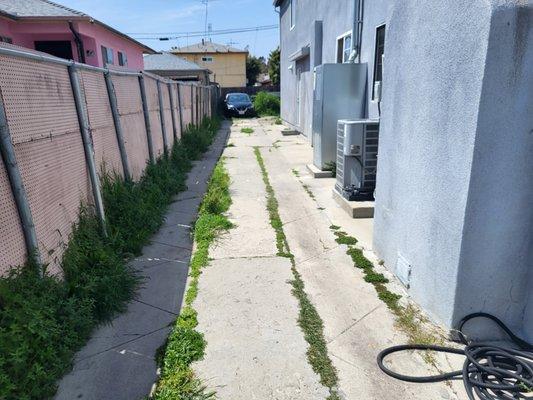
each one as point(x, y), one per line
point(489, 372)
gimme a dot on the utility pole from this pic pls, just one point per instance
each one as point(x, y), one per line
point(206, 2)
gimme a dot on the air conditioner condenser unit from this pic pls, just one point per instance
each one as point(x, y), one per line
point(357, 152)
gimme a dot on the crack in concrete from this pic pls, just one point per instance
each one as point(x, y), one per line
point(172, 245)
point(353, 324)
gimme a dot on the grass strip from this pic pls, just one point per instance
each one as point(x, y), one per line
point(44, 321)
point(408, 318)
point(185, 344)
point(308, 319)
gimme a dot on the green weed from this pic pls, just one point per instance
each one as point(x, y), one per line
point(247, 131)
point(45, 320)
point(408, 318)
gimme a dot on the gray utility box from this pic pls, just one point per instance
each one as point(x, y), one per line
point(357, 158)
point(339, 93)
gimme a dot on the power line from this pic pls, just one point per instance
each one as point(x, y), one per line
point(179, 35)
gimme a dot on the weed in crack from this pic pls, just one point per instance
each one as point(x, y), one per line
point(308, 319)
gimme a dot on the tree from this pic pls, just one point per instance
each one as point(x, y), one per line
point(253, 68)
point(273, 66)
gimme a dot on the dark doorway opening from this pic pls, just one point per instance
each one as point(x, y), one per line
point(58, 48)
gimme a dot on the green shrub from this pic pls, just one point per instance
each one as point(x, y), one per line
point(266, 104)
point(45, 320)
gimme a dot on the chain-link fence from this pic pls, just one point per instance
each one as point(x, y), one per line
point(61, 125)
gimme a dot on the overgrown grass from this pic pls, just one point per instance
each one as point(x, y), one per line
point(267, 104)
point(308, 318)
point(45, 320)
point(186, 345)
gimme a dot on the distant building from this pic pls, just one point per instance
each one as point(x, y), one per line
point(174, 67)
point(63, 32)
point(227, 63)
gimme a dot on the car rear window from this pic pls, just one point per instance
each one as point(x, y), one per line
point(239, 97)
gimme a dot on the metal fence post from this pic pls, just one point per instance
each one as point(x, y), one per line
point(162, 117)
point(172, 111)
point(192, 107)
point(87, 145)
point(19, 192)
point(179, 110)
point(147, 120)
point(196, 111)
point(118, 126)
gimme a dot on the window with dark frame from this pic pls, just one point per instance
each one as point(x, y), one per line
point(107, 55)
point(122, 59)
point(378, 60)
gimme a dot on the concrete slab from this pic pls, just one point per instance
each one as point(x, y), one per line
point(255, 348)
point(355, 209)
point(317, 172)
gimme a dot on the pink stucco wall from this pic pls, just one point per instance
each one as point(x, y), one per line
point(25, 33)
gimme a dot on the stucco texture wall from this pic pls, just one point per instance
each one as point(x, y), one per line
point(336, 18)
point(455, 181)
point(25, 33)
point(228, 69)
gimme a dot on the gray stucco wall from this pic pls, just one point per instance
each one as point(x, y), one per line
point(455, 171)
point(336, 17)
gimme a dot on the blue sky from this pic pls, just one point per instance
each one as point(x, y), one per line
point(149, 16)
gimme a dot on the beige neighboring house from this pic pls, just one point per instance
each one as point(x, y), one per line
point(227, 64)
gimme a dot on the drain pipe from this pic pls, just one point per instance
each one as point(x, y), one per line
point(79, 42)
point(357, 31)
point(19, 192)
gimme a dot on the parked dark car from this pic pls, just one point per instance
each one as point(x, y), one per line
point(239, 105)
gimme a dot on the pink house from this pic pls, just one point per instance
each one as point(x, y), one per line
point(55, 29)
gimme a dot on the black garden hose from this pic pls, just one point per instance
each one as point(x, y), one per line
point(489, 372)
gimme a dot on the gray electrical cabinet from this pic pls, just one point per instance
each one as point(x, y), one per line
point(357, 158)
point(339, 93)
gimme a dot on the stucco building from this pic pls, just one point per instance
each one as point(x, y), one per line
point(63, 32)
point(453, 216)
point(227, 64)
point(320, 32)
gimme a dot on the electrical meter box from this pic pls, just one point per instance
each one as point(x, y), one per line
point(339, 93)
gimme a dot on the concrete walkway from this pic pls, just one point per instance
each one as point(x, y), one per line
point(255, 348)
point(118, 362)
